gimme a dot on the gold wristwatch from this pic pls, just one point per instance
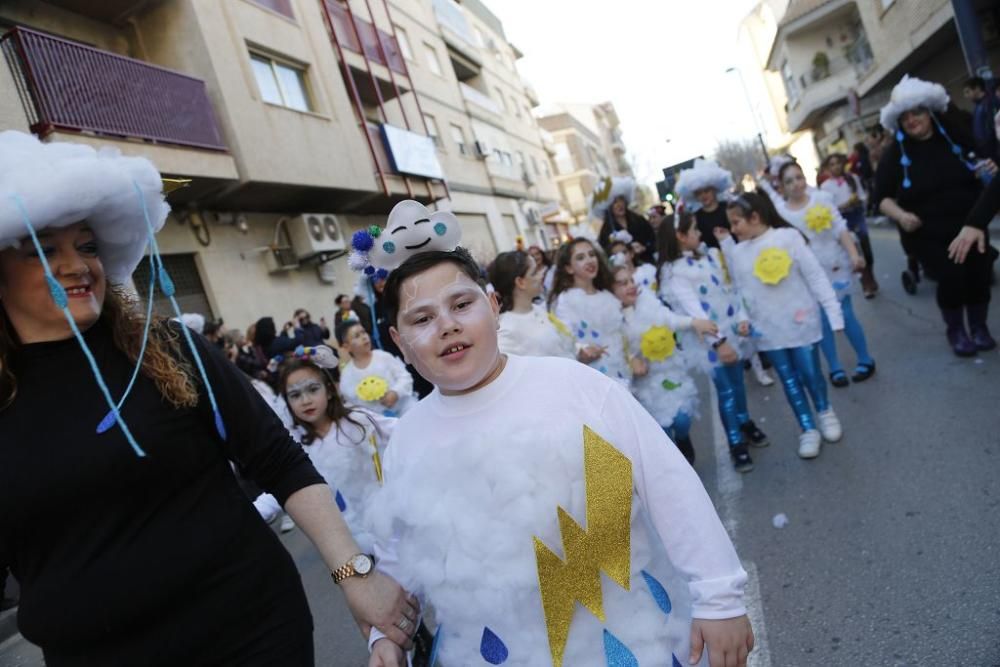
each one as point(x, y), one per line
point(360, 565)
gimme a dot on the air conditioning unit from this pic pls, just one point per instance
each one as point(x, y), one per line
point(482, 150)
point(315, 233)
point(280, 259)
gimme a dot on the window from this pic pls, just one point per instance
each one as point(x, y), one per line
point(283, 7)
point(501, 99)
point(515, 106)
point(432, 130)
point(432, 59)
point(791, 88)
point(520, 159)
point(458, 136)
point(481, 41)
point(281, 83)
point(404, 43)
point(534, 165)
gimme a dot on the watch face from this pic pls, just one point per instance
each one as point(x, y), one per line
point(362, 564)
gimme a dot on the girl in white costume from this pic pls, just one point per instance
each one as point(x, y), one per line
point(582, 300)
point(661, 371)
point(345, 445)
point(783, 286)
point(525, 327)
point(470, 518)
point(814, 213)
point(373, 379)
point(644, 273)
point(694, 280)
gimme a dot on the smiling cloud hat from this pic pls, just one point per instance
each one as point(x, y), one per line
point(912, 93)
point(410, 229)
point(59, 184)
point(704, 174)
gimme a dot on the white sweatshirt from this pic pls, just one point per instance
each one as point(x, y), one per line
point(784, 314)
point(821, 222)
point(535, 334)
point(383, 373)
point(457, 517)
point(840, 189)
point(596, 319)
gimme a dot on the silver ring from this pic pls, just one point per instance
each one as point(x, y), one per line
point(403, 624)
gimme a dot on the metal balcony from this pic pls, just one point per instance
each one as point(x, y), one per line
point(364, 38)
point(64, 85)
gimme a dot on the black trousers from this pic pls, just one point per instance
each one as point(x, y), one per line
point(957, 284)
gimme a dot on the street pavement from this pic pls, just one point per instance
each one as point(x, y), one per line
point(891, 552)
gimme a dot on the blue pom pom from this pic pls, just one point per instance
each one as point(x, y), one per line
point(907, 182)
point(899, 135)
point(362, 241)
point(166, 283)
point(369, 270)
point(957, 150)
point(381, 274)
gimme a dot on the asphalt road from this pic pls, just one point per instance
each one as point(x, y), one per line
point(891, 553)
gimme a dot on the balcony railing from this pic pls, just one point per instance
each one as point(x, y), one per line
point(65, 85)
point(860, 55)
point(472, 95)
point(369, 35)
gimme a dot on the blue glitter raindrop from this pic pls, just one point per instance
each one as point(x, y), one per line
point(690, 261)
point(580, 333)
point(703, 289)
point(440, 229)
point(712, 356)
point(341, 503)
point(616, 653)
point(492, 648)
point(715, 281)
point(658, 591)
point(594, 334)
point(730, 311)
point(583, 325)
point(674, 662)
point(705, 307)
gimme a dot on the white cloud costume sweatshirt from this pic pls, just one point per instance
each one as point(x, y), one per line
point(365, 387)
point(535, 334)
point(596, 319)
point(822, 223)
point(458, 518)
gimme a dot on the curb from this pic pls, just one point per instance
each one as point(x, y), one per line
point(8, 624)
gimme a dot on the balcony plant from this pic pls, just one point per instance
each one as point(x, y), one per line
point(820, 66)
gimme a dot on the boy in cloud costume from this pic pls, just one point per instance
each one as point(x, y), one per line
point(506, 497)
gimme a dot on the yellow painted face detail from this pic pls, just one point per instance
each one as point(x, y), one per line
point(819, 218)
point(772, 265)
point(658, 343)
point(560, 327)
point(372, 388)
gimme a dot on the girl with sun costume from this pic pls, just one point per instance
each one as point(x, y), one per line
point(529, 490)
point(661, 370)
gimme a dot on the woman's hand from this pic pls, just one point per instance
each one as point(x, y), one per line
point(729, 641)
point(743, 328)
point(639, 366)
point(704, 327)
point(591, 353)
point(967, 237)
point(386, 654)
point(389, 399)
point(988, 167)
point(909, 221)
point(727, 353)
point(378, 600)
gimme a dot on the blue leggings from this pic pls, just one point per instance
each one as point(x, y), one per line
point(732, 395)
point(798, 366)
point(855, 334)
point(681, 428)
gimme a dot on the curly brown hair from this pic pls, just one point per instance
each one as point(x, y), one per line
point(163, 362)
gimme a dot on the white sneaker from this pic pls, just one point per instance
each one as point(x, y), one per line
point(809, 444)
point(762, 377)
point(287, 525)
point(829, 426)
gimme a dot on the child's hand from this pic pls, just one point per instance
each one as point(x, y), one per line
point(386, 654)
point(639, 366)
point(729, 641)
point(727, 353)
point(743, 328)
point(721, 233)
point(704, 327)
point(590, 353)
point(859, 263)
point(389, 399)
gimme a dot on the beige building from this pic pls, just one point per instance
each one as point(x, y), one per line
point(298, 121)
point(586, 146)
point(839, 59)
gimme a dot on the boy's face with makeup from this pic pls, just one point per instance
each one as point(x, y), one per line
point(447, 327)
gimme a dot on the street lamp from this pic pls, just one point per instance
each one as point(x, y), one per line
point(753, 114)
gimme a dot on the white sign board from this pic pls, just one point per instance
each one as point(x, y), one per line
point(411, 153)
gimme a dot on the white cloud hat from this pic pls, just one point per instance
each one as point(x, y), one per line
point(704, 174)
point(912, 93)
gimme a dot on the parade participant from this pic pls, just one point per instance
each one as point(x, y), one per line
point(850, 197)
point(783, 285)
point(513, 463)
point(544, 263)
point(814, 214)
point(345, 311)
point(661, 371)
point(926, 185)
point(345, 444)
point(373, 379)
point(140, 509)
point(697, 284)
point(644, 273)
point(581, 298)
point(610, 202)
point(526, 328)
point(701, 188)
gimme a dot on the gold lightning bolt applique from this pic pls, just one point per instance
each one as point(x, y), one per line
point(604, 545)
point(376, 460)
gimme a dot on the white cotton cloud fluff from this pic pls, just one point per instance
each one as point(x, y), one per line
point(912, 93)
point(64, 183)
point(607, 190)
point(704, 174)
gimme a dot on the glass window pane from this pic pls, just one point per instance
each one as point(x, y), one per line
point(404, 43)
point(293, 85)
point(269, 91)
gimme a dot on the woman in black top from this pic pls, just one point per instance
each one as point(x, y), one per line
point(155, 558)
point(618, 217)
point(925, 183)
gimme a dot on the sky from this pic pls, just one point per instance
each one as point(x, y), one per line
point(661, 62)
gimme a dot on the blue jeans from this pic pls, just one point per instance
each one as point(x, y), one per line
point(799, 371)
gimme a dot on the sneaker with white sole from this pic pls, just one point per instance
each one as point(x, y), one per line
point(830, 426)
point(287, 525)
point(809, 444)
point(762, 376)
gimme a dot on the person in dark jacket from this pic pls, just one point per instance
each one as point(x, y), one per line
point(984, 132)
point(308, 332)
point(619, 217)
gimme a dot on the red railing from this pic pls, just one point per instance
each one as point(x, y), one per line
point(341, 22)
point(65, 85)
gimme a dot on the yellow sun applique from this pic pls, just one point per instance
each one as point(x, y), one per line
point(372, 388)
point(819, 218)
point(658, 343)
point(772, 265)
point(560, 327)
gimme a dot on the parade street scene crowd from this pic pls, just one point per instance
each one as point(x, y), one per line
point(749, 417)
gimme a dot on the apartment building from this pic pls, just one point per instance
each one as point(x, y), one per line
point(297, 121)
point(839, 59)
point(587, 145)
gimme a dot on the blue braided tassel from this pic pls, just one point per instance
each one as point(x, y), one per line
point(955, 148)
point(61, 300)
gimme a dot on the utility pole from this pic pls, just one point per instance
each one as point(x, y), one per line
point(971, 37)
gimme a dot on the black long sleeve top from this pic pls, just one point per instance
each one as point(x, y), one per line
point(709, 221)
point(128, 560)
